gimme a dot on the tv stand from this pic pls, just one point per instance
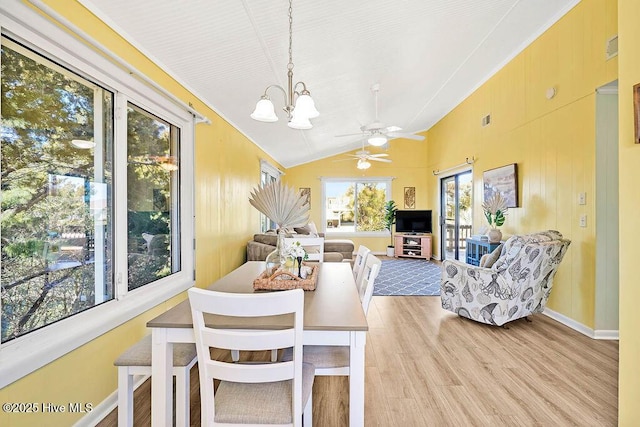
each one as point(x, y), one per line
point(412, 245)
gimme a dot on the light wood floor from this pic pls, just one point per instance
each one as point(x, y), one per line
point(428, 367)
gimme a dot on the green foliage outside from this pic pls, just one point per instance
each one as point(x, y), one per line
point(47, 188)
point(369, 215)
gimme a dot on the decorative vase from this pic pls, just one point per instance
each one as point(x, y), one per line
point(277, 258)
point(299, 266)
point(494, 235)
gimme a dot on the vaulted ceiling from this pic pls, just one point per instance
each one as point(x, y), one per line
point(426, 55)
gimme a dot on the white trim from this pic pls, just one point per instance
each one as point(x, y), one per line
point(21, 356)
point(266, 166)
point(519, 49)
point(603, 334)
point(579, 327)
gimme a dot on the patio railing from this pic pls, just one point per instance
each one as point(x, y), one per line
point(465, 233)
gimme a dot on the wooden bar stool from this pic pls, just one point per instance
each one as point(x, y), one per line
point(136, 360)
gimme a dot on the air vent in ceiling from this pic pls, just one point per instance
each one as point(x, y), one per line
point(612, 47)
point(486, 120)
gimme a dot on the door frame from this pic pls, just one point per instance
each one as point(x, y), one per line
point(442, 211)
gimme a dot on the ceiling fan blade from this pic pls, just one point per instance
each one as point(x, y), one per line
point(344, 160)
point(405, 135)
point(379, 155)
point(393, 129)
point(349, 134)
point(376, 159)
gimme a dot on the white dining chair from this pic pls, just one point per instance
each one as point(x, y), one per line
point(257, 393)
point(313, 246)
point(334, 360)
point(358, 264)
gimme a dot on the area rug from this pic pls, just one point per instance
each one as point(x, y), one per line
point(408, 277)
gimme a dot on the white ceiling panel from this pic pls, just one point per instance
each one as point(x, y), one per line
point(427, 56)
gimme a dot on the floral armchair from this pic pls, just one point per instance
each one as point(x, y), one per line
point(516, 285)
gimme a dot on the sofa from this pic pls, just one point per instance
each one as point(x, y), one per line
point(335, 250)
point(512, 282)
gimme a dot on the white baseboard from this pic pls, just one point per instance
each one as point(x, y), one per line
point(577, 326)
point(105, 407)
point(606, 334)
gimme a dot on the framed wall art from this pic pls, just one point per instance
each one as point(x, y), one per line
point(409, 197)
point(503, 180)
point(306, 192)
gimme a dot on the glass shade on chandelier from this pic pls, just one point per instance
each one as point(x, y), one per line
point(264, 112)
point(363, 164)
point(377, 140)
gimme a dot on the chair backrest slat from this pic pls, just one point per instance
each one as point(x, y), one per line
point(358, 264)
point(370, 271)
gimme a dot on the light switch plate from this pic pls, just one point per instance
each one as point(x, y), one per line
point(582, 198)
point(583, 220)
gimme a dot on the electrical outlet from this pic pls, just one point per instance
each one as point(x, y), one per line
point(582, 198)
point(583, 220)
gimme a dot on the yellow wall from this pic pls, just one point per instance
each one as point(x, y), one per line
point(408, 168)
point(552, 141)
point(227, 166)
point(629, 73)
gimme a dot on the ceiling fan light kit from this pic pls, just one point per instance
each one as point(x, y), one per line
point(299, 105)
point(377, 140)
point(363, 164)
point(376, 133)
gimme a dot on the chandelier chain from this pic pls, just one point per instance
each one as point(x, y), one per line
point(290, 64)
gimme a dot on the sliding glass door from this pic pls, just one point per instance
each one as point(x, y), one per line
point(456, 215)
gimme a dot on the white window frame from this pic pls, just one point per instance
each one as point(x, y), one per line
point(325, 180)
point(27, 353)
point(275, 174)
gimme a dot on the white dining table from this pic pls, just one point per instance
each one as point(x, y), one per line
point(333, 315)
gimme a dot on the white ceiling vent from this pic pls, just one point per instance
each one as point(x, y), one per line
point(486, 120)
point(612, 47)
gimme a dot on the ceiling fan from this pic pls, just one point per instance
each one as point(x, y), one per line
point(376, 133)
point(364, 158)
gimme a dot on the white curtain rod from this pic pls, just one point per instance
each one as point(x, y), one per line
point(466, 162)
point(199, 118)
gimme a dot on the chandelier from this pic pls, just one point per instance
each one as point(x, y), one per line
point(299, 105)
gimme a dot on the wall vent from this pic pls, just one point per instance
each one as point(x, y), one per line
point(486, 120)
point(612, 47)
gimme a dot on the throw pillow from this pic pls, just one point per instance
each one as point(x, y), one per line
point(302, 230)
point(312, 228)
point(490, 259)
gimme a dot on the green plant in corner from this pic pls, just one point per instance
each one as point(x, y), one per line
point(390, 209)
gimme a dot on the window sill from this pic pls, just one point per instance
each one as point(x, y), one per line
point(21, 356)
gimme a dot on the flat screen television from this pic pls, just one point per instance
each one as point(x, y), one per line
point(413, 221)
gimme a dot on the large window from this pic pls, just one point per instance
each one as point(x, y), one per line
point(96, 216)
point(355, 206)
point(56, 225)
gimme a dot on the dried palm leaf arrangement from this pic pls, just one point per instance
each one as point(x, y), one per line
point(281, 204)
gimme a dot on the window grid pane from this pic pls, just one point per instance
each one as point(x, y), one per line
point(355, 206)
point(56, 229)
point(153, 168)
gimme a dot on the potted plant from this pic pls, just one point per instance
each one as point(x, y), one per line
point(390, 219)
point(495, 210)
